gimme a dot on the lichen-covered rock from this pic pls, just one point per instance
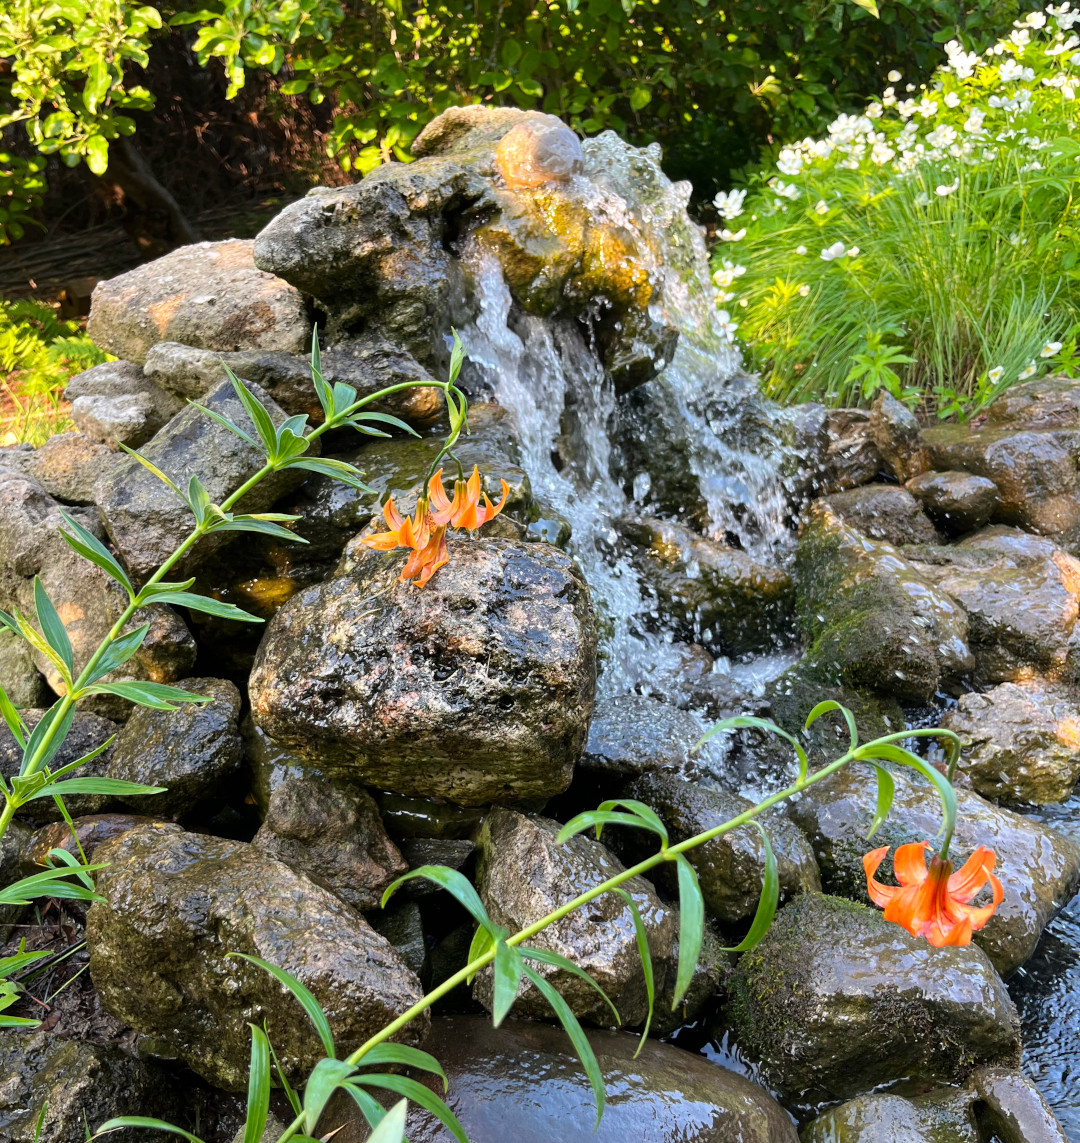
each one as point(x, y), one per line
point(191, 751)
point(1021, 594)
point(1021, 740)
point(1038, 866)
point(896, 432)
point(633, 734)
point(380, 253)
point(957, 502)
point(332, 833)
point(871, 618)
point(836, 1000)
point(367, 364)
point(68, 465)
point(146, 520)
point(115, 402)
point(88, 732)
point(710, 593)
point(478, 688)
point(1035, 471)
point(883, 512)
point(20, 679)
point(523, 874)
point(71, 1086)
point(521, 1081)
point(209, 295)
point(996, 1102)
point(730, 868)
point(176, 905)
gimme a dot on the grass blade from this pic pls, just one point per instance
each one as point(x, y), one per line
point(645, 953)
point(308, 1002)
point(258, 1098)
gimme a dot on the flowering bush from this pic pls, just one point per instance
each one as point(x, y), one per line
point(928, 246)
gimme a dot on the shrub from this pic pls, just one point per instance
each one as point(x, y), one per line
point(39, 352)
point(927, 246)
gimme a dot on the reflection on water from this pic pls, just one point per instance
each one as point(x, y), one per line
point(1047, 993)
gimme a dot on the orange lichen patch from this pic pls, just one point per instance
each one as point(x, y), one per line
point(1067, 732)
point(162, 313)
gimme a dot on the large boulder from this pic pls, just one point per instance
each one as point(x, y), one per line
point(68, 465)
point(367, 365)
point(522, 1082)
point(713, 594)
point(175, 909)
point(957, 502)
point(147, 521)
point(883, 512)
point(191, 751)
point(477, 688)
point(996, 1102)
point(871, 618)
point(332, 833)
point(836, 1000)
point(1021, 740)
point(1021, 594)
point(1034, 469)
point(1038, 866)
point(896, 432)
point(730, 868)
point(523, 874)
point(68, 1087)
point(209, 295)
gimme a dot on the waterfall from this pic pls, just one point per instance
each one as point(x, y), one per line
point(546, 372)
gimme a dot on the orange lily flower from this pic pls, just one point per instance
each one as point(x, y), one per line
point(402, 533)
point(425, 561)
point(935, 903)
point(465, 510)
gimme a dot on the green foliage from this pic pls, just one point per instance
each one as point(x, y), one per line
point(22, 188)
point(927, 246)
point(39, 352)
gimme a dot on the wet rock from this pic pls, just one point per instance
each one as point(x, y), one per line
point(836, 1000)
point(88, 601)
point(366, 364)
point(175, 905)
point(537, 151)
point(115, 402)
point(90, 831)
point(1046, 403)
point(1021, 595)
point(870, 617)
point(77, 1085)
point(996, 1102)
point(20, 679)
point(12, 845)
point(1021, 741)
point(209, 295)
point(712, 594)
point(333, 834)
point(269, 764)
point(883, 512)
point(1038, 867)
point(523, 874)
point(1035, 471)
point(693, 681)
point(632, 734)
point(402, 924)
point(521, 1081)
point(852, 457)
point(68, 465)
point(146, 520)
point(331, 513)
point(730, 868)
point(957, 502)
point(190, 751)
point(407, 817)
point(896, 432)
point(88, 732)
point(487, 696)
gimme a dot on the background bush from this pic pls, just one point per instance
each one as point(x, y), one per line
point(712, 82)
point(928, 246)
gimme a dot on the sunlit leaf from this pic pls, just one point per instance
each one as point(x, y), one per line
point(691, 927)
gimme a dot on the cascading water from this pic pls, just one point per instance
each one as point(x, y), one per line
point(547, 373)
